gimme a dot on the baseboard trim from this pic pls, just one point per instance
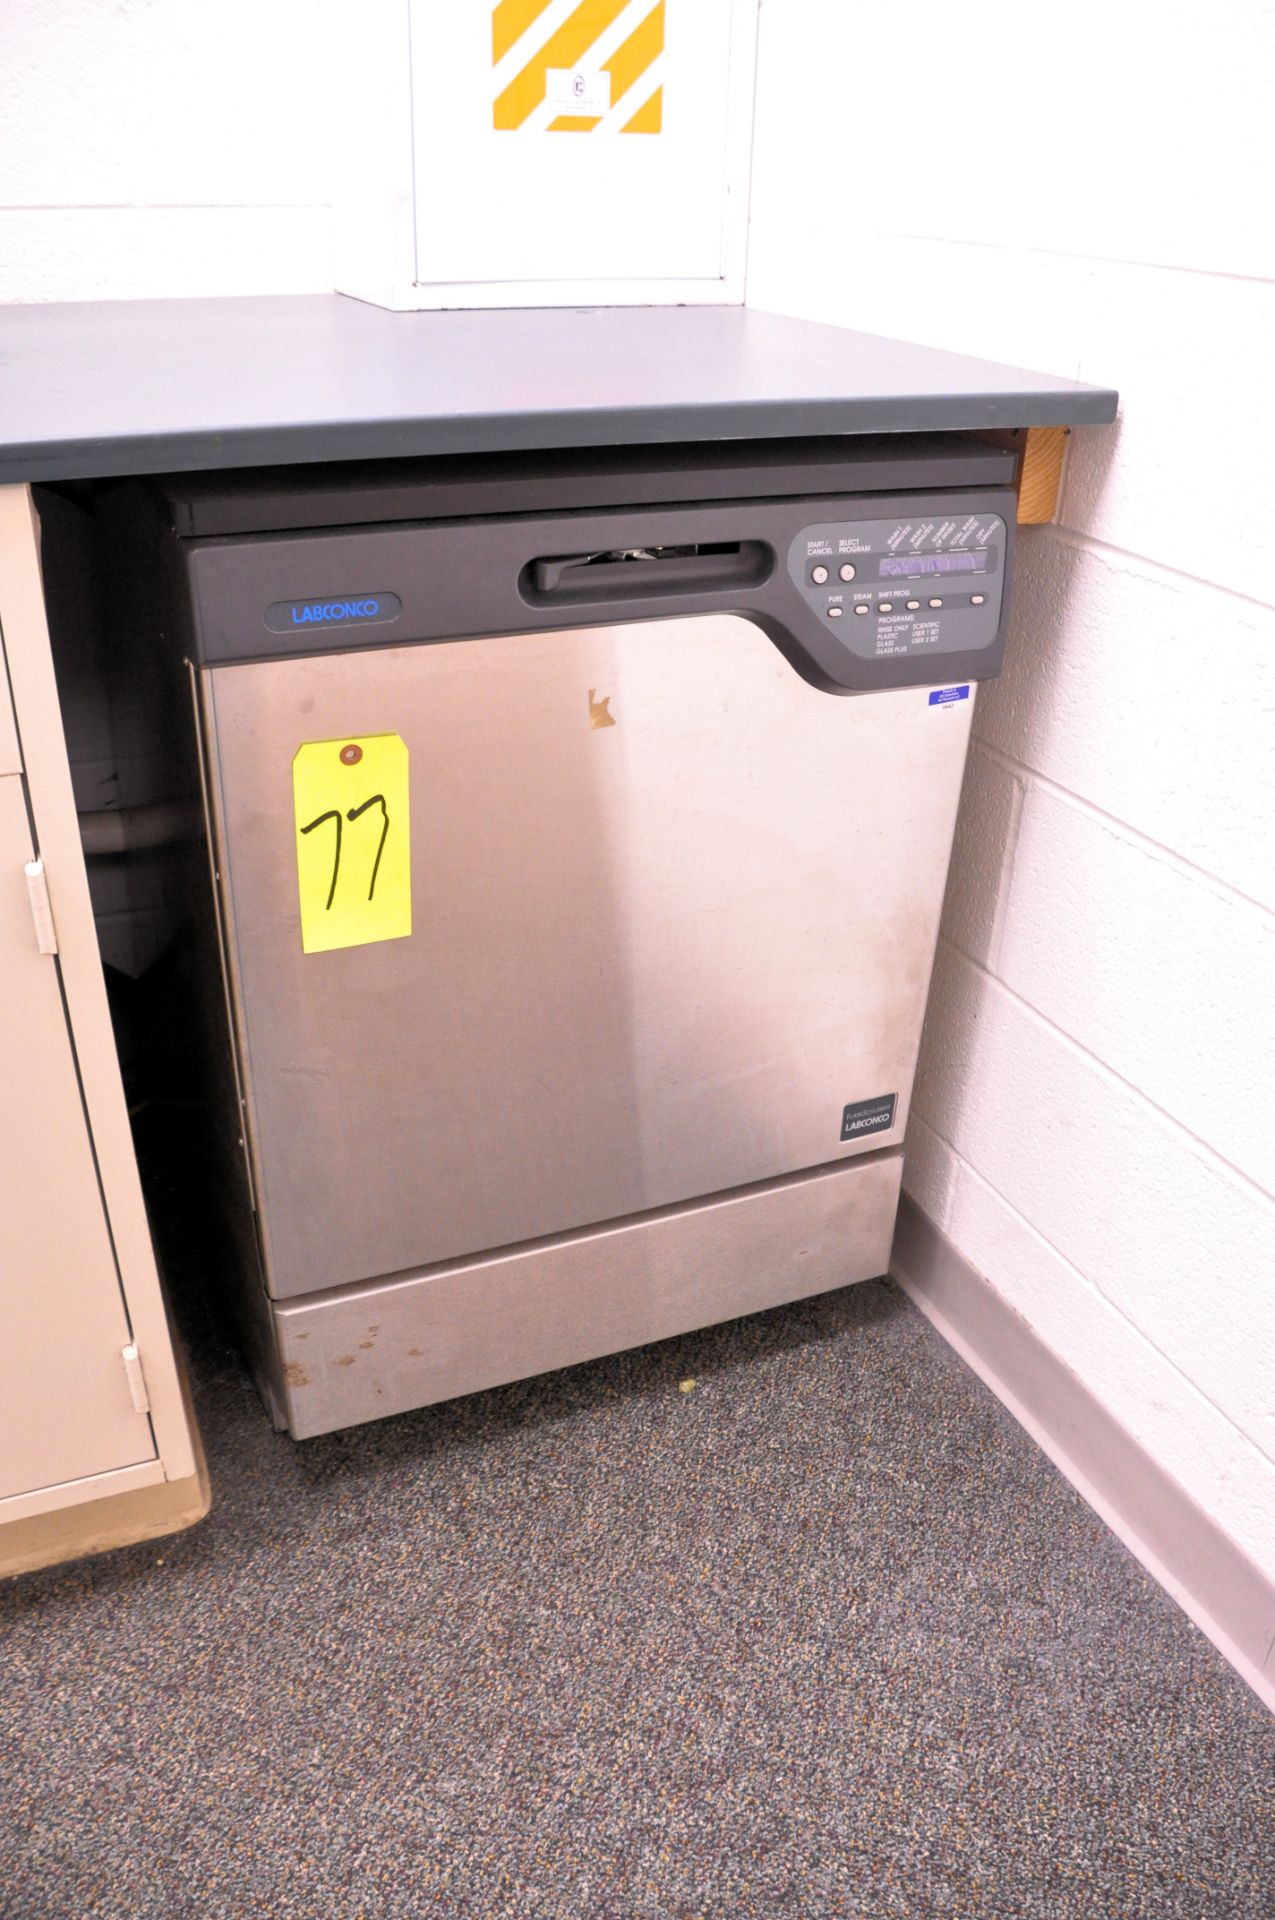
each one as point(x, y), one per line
point(99, 1526)
point(1225, 1593)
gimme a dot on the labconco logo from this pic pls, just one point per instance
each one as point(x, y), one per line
point(310, 611)
point(358, 610)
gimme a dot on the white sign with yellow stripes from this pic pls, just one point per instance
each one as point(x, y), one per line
point(654, 207)
point(578, 66)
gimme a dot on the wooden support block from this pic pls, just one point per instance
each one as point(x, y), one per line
point(1040, 468)
point(1041, 479)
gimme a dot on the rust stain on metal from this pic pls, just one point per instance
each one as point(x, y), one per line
point(346, 1360)
point(295, 1376)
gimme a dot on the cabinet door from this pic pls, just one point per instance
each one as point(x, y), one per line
point(10, 760)
point(65, 1408)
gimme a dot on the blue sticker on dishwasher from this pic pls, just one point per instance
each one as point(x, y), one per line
point(944, 696)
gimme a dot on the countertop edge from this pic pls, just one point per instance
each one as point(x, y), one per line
point(312, 442)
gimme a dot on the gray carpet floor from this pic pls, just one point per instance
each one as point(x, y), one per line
point(824, 1635)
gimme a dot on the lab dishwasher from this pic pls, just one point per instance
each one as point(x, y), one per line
point(577, 829)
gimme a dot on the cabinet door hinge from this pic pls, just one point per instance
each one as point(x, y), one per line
point(136, 1378)
point(41, 909)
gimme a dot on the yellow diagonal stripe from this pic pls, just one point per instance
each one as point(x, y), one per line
point(562, 49)
point(572, 123)
point(634, 55)
point(648, 118)
point(509, 21)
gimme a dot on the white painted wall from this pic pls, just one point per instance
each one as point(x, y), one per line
point(164, 147)
point(1087, 192)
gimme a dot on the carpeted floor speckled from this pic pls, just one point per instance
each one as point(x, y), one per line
point(823, 1636)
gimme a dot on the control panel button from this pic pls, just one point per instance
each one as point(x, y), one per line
point(835, 613)
point(977, 599)
point(862, 609)
point(819, 575)
point(886, 606)
point(846, 570)
point(913, 605)
point(936, 603)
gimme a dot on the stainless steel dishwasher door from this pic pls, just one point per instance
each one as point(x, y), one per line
point(674, 910)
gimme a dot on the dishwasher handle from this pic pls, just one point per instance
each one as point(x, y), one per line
point(635, 573)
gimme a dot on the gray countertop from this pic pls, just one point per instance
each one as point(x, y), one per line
point(145, 386)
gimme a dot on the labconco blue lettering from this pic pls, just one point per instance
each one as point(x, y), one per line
point(285, 616)
point(308, 614)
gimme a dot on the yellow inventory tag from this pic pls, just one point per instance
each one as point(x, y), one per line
point(354, 871)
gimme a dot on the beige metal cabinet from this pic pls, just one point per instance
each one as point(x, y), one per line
point(96, 1442)
point(68, 1411)
point(10, 762)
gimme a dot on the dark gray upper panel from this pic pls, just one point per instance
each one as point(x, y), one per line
point(149, 386)
point(360, 493)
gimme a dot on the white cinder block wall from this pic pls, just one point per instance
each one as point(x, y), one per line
point(1094, 1124)
point(160, 148)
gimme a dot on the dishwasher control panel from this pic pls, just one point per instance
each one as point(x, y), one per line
point(918, 584)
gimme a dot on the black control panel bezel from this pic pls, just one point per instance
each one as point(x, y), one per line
point(464, 579)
